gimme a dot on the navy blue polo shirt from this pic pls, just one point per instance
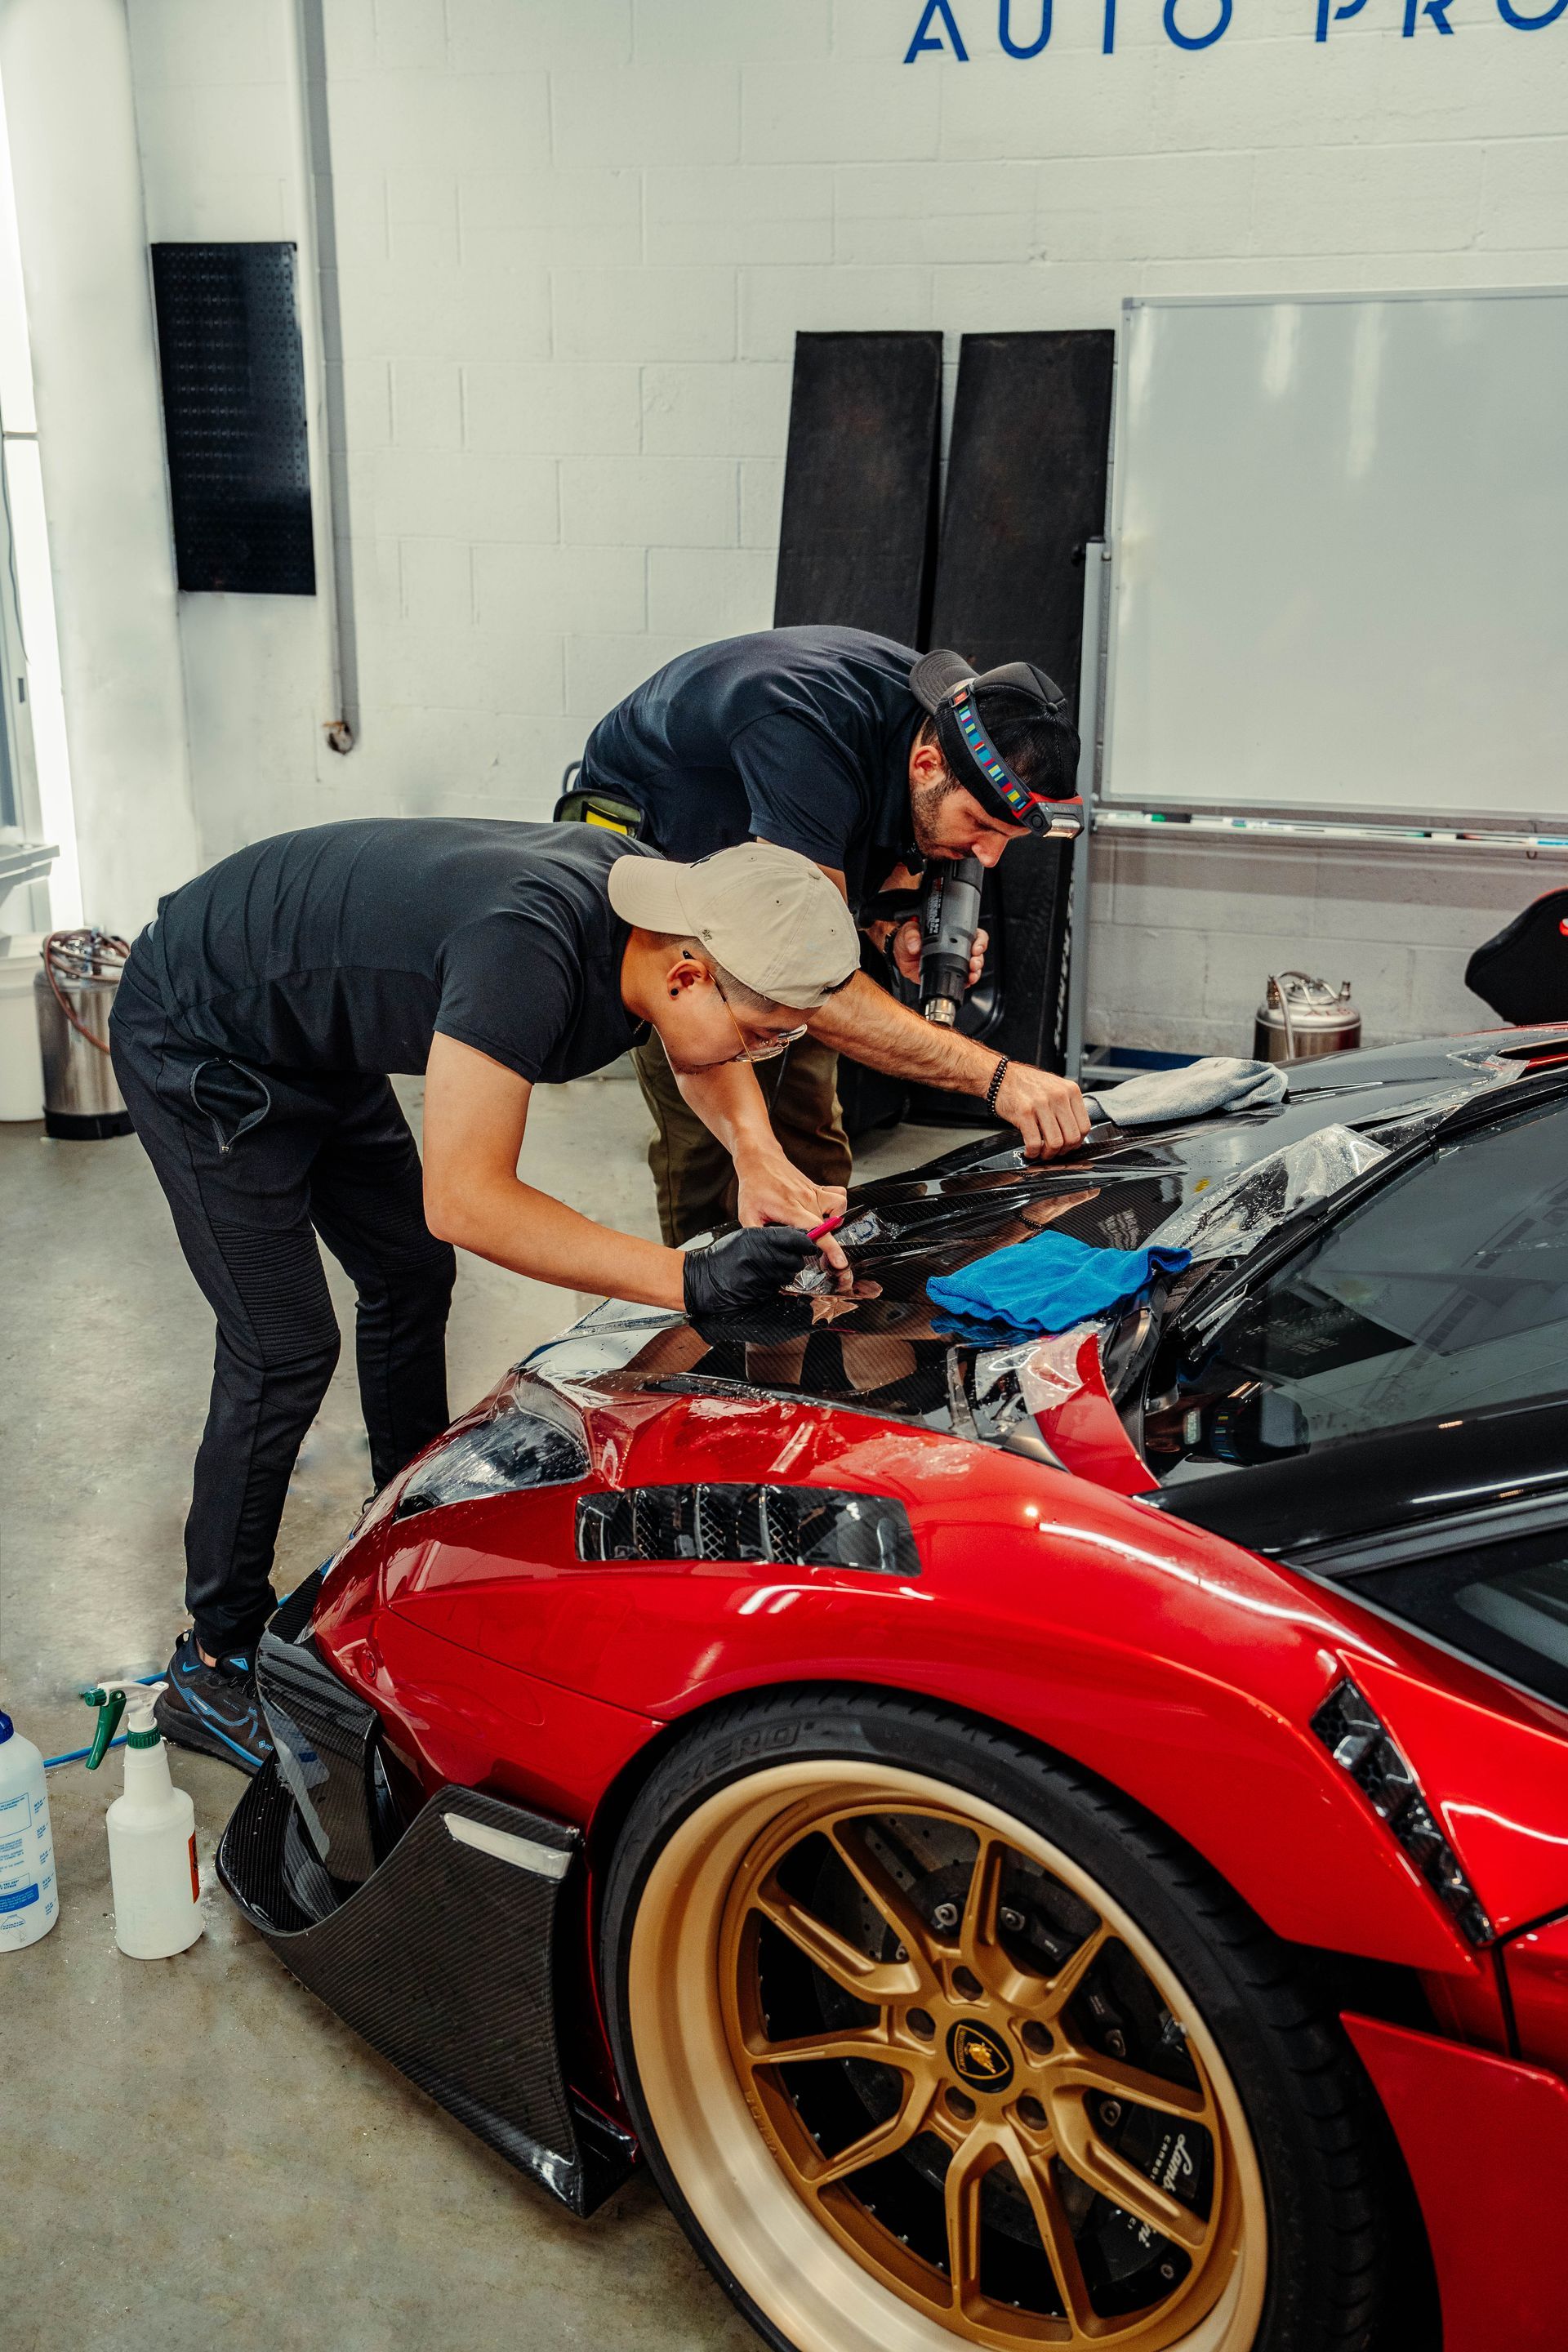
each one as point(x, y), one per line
point(794, 736)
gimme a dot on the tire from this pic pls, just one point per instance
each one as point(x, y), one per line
point(794, 1847)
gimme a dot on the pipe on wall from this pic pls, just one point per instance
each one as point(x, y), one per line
point(321, 337)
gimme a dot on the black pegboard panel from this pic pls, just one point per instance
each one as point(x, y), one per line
point(858, 532)
point(233, 417)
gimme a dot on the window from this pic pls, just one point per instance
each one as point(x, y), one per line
point(34, 764)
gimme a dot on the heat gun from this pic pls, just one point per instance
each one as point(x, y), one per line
point(949, 920)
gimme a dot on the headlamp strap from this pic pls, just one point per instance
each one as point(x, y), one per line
point(986, 757)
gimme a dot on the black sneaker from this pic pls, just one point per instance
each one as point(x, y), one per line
point(214, 1708)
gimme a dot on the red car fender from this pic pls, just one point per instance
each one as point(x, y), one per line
point(1537, 1964)
point(1083, 1428)
point(450, 1716)
point(1486, 2141)
point(1178, 1668)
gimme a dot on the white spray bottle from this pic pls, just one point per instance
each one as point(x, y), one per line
point(29, 1900)
point(152, 1831)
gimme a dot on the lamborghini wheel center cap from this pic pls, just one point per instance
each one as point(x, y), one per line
point(979, 2057)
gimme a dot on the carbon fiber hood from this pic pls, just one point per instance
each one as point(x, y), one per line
point(884, 1351)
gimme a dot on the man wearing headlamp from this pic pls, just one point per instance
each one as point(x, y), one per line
point(871, 760)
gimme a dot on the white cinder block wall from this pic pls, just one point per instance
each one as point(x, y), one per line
point(576, 239)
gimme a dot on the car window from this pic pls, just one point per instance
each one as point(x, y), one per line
point(1445, 1291)
point(1505, 1604)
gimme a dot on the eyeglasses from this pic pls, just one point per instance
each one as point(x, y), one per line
point(774, 1046)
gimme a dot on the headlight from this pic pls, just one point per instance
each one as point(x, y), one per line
point(536, 1439)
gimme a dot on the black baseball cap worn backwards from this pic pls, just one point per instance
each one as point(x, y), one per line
point(947, 686)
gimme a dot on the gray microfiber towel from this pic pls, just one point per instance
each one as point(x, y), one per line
point(1218, 1083)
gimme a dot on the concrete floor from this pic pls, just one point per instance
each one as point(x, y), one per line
point(194, 2151)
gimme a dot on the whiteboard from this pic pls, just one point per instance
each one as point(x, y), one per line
point(1340, 534)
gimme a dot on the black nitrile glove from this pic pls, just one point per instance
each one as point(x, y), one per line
point(743, 1269)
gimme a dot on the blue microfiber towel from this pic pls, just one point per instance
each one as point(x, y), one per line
point(1051, 1282)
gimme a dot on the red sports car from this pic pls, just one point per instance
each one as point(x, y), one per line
point(1035, 1841)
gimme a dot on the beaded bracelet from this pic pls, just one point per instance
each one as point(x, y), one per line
point(994, 1088)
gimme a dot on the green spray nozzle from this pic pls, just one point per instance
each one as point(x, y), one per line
point(111, 1706)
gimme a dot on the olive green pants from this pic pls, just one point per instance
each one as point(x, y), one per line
point(692, 1172)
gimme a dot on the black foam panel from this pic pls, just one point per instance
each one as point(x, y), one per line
point(1026, 476)
point(233, 417)
point(1027, 473)
point(858, 532)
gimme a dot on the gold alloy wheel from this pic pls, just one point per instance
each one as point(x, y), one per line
point(920, 2078)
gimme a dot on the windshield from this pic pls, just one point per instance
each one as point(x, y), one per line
point(1447, 1290)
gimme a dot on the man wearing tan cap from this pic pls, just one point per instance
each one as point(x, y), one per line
point(877, 763)
point(256, 1021)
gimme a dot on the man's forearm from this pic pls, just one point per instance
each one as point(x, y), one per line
point(864, 1020)
point(729, 1103)
point(770, 1190)
point(531, 1232)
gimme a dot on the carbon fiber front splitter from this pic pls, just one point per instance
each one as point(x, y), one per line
point(443, 1961)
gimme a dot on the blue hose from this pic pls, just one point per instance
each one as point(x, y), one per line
point(75, 1755)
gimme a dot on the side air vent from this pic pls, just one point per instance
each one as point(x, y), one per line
point(794, 1527)
point(1358, 1739)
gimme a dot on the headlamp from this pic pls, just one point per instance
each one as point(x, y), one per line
point(1053, 820)
point(948, 687)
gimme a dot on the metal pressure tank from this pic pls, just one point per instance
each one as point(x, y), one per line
point(74, 995)
point(1300, 1016)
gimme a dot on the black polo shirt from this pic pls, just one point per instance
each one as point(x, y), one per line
point(347, 946)
point(796, 736)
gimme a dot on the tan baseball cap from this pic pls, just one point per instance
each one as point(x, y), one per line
point(769, 916)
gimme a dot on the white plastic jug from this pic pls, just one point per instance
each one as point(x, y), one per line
point(152, 1831)
point(29, 1900)
point(21, 1060)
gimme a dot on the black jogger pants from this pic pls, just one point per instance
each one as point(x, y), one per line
point(255, 1164)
